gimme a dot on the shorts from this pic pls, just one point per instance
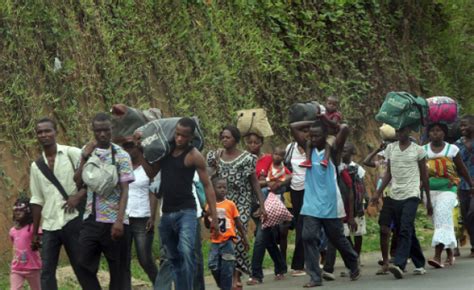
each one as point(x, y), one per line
point(387, 213)
point(361, 227)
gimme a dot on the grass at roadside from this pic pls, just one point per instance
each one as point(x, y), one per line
point(424, 229)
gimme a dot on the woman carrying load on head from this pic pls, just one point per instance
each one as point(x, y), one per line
point(444, 167)
point(238, 168)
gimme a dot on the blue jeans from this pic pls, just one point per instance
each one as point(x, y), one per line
point(143, 240)
point(199, 283)
point(408, 245)
point(52, 241)
point(266, 239)
point(221, 263)
point(178, 237)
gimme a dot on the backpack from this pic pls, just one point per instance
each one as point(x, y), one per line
point(99, 176)
point(359, 191)
point(401, 109)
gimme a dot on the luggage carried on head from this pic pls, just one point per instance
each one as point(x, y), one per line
point(401, 109)
point(254, 121)
point(303, 112)
point(125, 120)
point(157, 138)
point(442, 110)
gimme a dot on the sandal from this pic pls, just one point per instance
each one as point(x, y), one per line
point(279, 277)
point(312, 284)
point(250, 282)
point(435, 264)
point(382, 271)
point(450, 262)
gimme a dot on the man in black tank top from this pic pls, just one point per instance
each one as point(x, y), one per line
point(178, 223)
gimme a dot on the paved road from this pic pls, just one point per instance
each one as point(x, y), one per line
point(458, 277)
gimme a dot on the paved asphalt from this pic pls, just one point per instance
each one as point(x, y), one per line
point(457, 277)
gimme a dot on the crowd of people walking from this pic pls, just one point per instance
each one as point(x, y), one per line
point(101, 199)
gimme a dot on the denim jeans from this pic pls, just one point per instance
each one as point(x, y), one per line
point(221, 263)
point(52, 242)
point(334, 230)
point(143, 240)
point(266, 239)
point(408, 245)
point(199, 283)
point(95, 239)
point(178, 237)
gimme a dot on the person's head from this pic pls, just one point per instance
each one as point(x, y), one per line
point(254, 143)
point(132, 149)
point(437, 132)
point(318, 134)
point(348, 151)
point(403, 134)
point(300, 134)
point(102, 128)
point(278, 155)
point(184, 132)
point(22, 211)
point(46, 130)
point(466, 125)
point(220, 187)
point(332, 104)
point(230, 136)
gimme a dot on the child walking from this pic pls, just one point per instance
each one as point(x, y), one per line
point(26, 263)
point(332, 118)
point(221, 254)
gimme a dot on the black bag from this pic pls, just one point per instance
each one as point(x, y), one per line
point(49, 174)
point(299, 112)
point(158, 138)
point(288, 156)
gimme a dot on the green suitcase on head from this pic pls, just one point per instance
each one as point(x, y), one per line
point(401, 109)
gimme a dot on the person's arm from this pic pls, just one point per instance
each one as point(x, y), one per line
point(200, 165)
point(385, 182)
point(425, 184)
point(462, 170)
point(258, 193)
point(153, 206)
point(37, 201)
point(341, 139)
point(151, 170)
point(331, 123)
point(369, 160)
point(243, 234)
point(73, 201)
point(86, 153)
point(117, 227)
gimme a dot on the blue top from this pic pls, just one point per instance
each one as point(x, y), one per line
point(468, 159)
point(322, 197)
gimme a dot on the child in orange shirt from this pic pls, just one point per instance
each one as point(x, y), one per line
point(221, 254)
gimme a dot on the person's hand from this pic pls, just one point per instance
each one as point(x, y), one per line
point(382, 146)
point(117, 230)
point(429, 208)
point(352, 224)
point(246, 244)
point(137, 138)
point(150, 224)
point(275, 185)
point(215, 228)
point(374, 200)
point(89, 148)
point(71, 203)
point(263, 214)
point(36, 243)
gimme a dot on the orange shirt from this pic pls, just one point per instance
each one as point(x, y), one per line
point(226, 213)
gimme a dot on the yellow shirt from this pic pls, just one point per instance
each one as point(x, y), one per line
point(44, 193)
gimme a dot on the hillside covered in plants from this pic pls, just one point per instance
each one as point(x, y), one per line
point(70, 59)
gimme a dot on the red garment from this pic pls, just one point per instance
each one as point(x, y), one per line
point(263, 165)
point(334, 116)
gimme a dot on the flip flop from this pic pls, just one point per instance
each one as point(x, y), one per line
point(435, 264)
point(449, 262)
point(381, 271)
point(312, 284)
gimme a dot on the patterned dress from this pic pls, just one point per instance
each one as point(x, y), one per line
point(239, 190)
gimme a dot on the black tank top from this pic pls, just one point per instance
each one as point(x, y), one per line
point(176, 183)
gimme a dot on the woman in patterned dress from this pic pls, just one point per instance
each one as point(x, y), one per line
point(238, 168)
point(444, 165)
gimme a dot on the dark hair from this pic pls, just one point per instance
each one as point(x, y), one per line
point(101, 117)
point(469, 118)
point(216, 179)
point(441, 126)
point(351, 146)
point(320, 124)
point(333, 98)
point(28, 212)
point(233, 131)
point(188, 123)
point(48, 120)
point(248, 135)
